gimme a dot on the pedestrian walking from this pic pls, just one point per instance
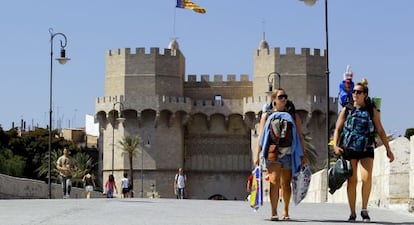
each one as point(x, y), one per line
point(65, 165)
point(180, 182)
point(354, 139)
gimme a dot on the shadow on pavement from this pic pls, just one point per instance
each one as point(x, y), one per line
point(344, 221)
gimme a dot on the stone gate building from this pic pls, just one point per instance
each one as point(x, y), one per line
point(208, 126)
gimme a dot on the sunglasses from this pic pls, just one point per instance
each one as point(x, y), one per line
point(358, 92)
point(282, 96)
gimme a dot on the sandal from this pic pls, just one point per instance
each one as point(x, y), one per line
point(274, 218)
point(285, 218)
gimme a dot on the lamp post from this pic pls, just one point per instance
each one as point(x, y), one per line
point(310, 3)
point(121, 120)
point(147, 145)
point(270, 80)
point(62, 60)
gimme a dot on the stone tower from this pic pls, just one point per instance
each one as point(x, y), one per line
point(141, 74)
point(206, 126)
point(302, 75)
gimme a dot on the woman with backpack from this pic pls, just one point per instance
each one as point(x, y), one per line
point(281, 149)
point(354, 140)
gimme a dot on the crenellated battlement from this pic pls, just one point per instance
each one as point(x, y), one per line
point(218, 78)
point(171, 103)
point(306, 103)
point(153, 52)
point(157, 98)
point(289, 51)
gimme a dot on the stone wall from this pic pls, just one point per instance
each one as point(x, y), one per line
point(392, 184)
point(22, 188)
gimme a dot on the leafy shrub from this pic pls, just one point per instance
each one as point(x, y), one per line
point(409, 132)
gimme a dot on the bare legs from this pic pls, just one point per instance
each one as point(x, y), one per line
point(366, 178)
point(279, 178)
point(274, 180)
point(286, 178)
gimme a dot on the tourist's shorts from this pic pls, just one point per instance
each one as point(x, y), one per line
point(125, 190)
point(285, 161)
point(349, 154)
point(89, 188)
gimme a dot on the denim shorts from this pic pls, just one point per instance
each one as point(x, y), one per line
point(89, 188)
point(285, 161)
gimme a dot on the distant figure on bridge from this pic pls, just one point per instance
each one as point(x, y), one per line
point(65, 165)
point(180, 182)
point(89, 183)
point(110, 187)
point(125, 185)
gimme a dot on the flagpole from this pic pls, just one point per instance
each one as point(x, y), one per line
point(175, 13)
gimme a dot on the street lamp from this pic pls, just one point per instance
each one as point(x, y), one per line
point(270, 80)
point(62, 60)
point(147, 145)
point(120, 119)
point(310, 3)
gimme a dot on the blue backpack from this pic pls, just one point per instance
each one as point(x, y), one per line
point(345, 96)
point(358, 132)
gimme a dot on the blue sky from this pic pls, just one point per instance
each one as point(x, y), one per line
point(375, 37)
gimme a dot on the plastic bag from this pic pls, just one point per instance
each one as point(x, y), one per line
point(256, 194)
point(300, 183)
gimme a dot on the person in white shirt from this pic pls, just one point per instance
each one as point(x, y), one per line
point(125, 186)
point(180, 183)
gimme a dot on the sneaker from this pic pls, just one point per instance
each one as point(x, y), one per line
point(352, 218)
point(365, 216)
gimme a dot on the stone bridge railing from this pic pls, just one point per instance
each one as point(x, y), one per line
point(22, 188)
point(392, 183)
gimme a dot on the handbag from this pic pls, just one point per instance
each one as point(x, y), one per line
point(338, 174)
point(272, 153)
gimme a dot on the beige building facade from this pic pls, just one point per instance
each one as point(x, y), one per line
point(206, 126)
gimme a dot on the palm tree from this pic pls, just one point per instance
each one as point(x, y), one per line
point(43, 170)
point(82, 161)
point(311, 153)
point(130, 145)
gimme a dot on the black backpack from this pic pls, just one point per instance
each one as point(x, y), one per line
point(280, 129)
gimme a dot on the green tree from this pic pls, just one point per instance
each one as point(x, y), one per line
point(130, 145)
point(409, 132)
point(10, 164)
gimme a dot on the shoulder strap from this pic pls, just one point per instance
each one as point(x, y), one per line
point(291, 109)
point(349, 106)
point(370, 107)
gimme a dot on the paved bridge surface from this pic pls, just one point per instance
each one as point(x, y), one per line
point(144, 211)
